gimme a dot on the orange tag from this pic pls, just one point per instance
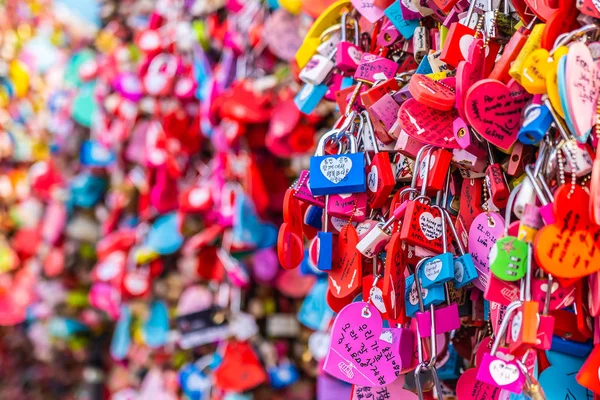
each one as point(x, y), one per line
point(346, 275)
point(393, 279)
point(570, 247)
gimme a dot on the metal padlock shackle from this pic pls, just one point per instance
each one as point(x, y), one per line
point(510, 309)
point(533, 178)
point(426, 366)
point(444, 228)
point(538, 394)
point(326, 34)
point(345, 27)
point(413, 183)
point(567, 37)
point(509, 207)
point(459, 245)
point(563, 129)
point(525, 285)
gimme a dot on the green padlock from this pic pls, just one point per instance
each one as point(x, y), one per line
point(508, 257)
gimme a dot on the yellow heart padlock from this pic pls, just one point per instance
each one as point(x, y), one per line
point(19, 76)
point(552, 79)
point(330, 17)
point(534, 71)
point(533, 42)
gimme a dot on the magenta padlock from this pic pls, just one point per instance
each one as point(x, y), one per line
point(545, 328)
point(164, 194)
point(446, 319)
point(373, 68)
point(348, 205)
point(185, 87)
point(500, 371)
point(466, 139)
point(500, 291)
point(128, 85)
point(558, 297)
point(388, 35)
point(302, 190)
point(384, 112)
point(335, 84)
point(546, 211)
point(348, 54)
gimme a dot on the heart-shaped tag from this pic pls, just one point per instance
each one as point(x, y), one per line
point(469, 388)
point(428, 125)
point(583, 87)
point(431, 93)
point(494, 110)
point(484, 232)
point(572, 240)
point(346, 275)
point(335, 169)
point(361, 352)
point(240, 369)
point(393, 278)
point(533, 71)
point(469, 71)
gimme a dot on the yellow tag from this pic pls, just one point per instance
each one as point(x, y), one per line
point(552, 80)
point(443, 35)
point(534, 71)
point(532, 43)
point(311, 40)
point(19, 76)
point(436, 76)
point(291, 6)
point(526, 233)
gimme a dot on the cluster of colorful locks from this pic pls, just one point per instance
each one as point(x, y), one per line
point(452, 210)
point(440, 238)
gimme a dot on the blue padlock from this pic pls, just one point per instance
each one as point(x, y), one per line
point(325, 244)
point(404, 26)
point(439, 269)
point(464, 268)
point(538, 120)
point(309, 97)
point(435, 295)
point(313, 216)
point(283, 375)
point(576, 349)
point(337, 173)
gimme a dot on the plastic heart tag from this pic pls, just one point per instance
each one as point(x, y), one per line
point(361, 352)
point(571, 241)
point(428, 125)
point(346, 275)
point(582, 89)
point(494, 110)
point(483, 234)
point(469, 72)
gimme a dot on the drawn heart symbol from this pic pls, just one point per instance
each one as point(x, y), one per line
point(503, 373)
point(372, 179)
point(469, 71)
point(359, 352)
point(432, 269)
point(570, 247)
point(494, 110)
point(335, 169)
point(430, 226)
point(428, 125)
point(505, 356)
point(582, 89)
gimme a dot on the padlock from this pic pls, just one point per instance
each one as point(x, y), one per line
point(380, 177)
point(543, 193)
point(348, 206)
point(437, 165)
point(439, 269)
point(434, 296)
point(464, 268)
point(329, 40)
point(510, 52)
point(538, 121)
point(468, 140)
point(377, 238)
point(545, 328)
point(442, 319)
point(420, 42)
point(524, 324)
point(318, 69)
point(379, 89)
point(457, 35)
point(533, 389)
point(508, 257)
point(532, 43)
point(502, 372)
point(325, 243)
point(335, 174)
point(398, 25)
point(348, 54)
point(373, 68)
point(309, 97)
point(496, 181)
